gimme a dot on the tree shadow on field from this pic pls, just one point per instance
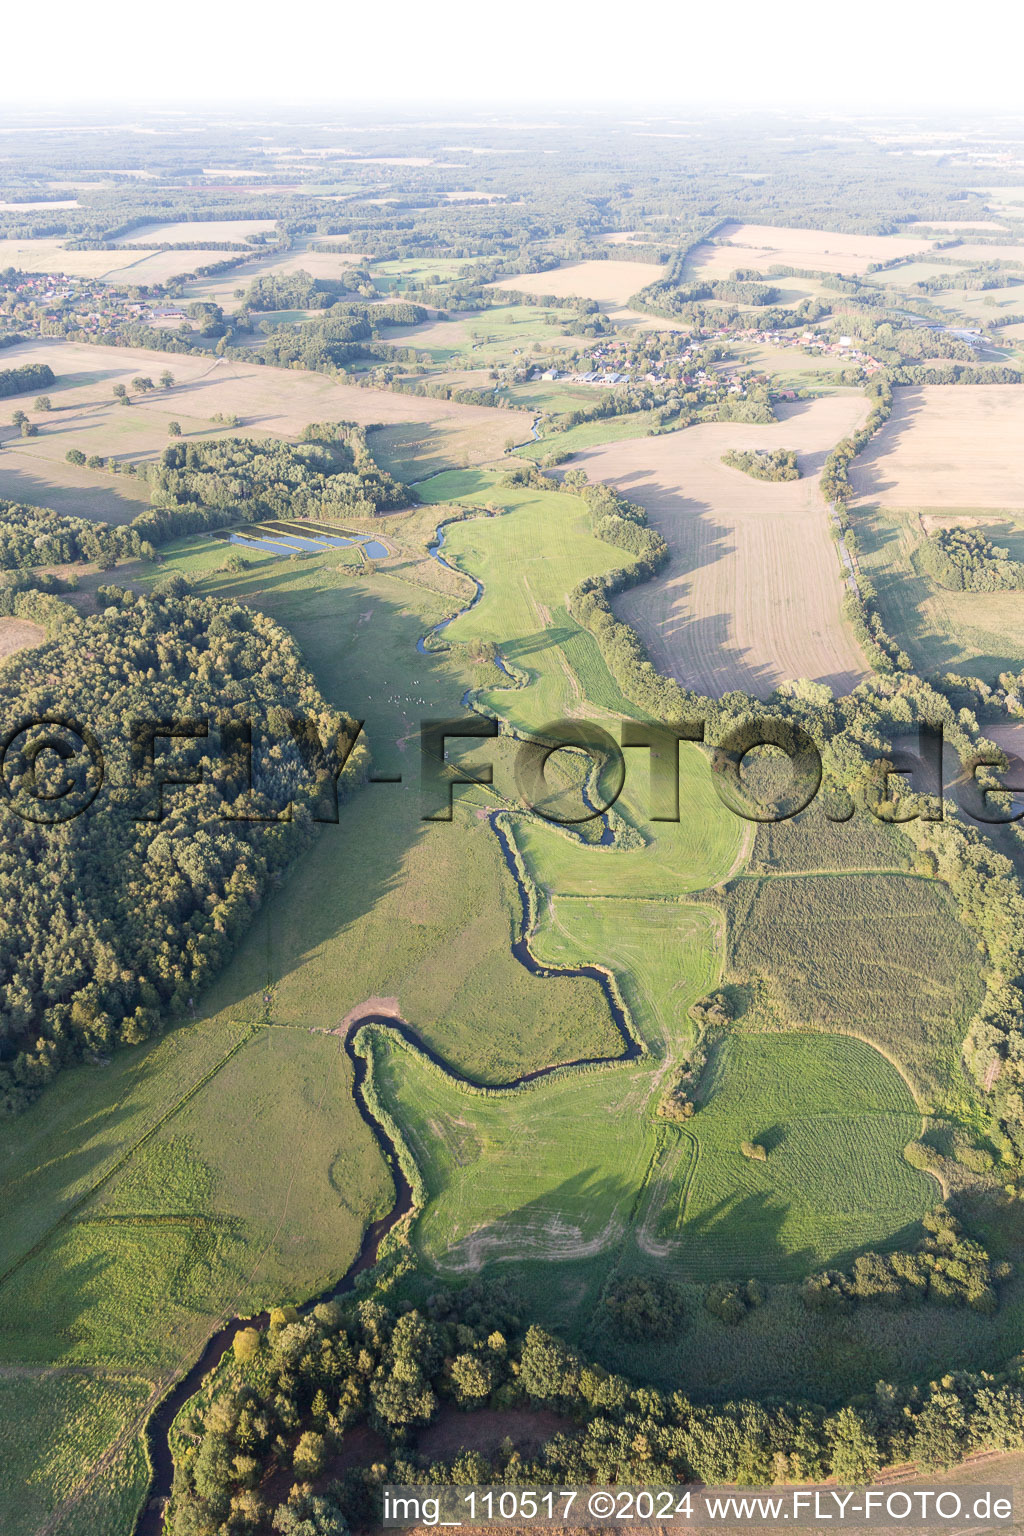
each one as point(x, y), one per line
point(701, 652)
point(811, 463)
point(543, 640)
point(867, 471)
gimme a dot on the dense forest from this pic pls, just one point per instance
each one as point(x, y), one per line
point(122, 900)
point(262, 1450)
point(295, 290)
point(31, 536)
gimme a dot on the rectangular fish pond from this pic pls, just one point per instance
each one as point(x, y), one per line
point(297, 538)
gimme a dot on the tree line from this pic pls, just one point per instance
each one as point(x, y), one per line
point(261, 1448)
point(123, 918)
point(235, 479)
point(21, 381)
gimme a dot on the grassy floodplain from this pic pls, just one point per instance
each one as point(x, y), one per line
point(385, 905)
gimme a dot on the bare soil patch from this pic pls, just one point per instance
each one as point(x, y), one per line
point(752, 595)
point(19, 635)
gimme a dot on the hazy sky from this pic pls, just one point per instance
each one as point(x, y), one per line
point(869, 55)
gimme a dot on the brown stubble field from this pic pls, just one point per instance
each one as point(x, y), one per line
point(752, 594)
point(813, 250)
point(611, 284)
point(953, 446)
point(418, 435)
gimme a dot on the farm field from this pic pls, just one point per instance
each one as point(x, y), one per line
point(751, 596)
point(528, 561)
point(982, 306)
point(969, 251)
point(57, 1423)
point(880, 955)
point(615, 1049)
point(18, 635)
point(788, 366)
point(50, 256)
point(148, 1201)
point(220, 288)
point(120, 265)
point(609, 283)
point(955, 224)
point(589, 434)
point(977, 633)
point(813, 250)
point(496, 333)
point(195, 232)
point(946, 449)
point(400, 907)
point(430, 434)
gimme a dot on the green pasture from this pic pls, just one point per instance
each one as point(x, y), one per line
point(56, 1425)
point(553, 395)
point(880, 955)
point(577, 1166)
point(590, 434)
point(527, 561)
point(980, 634)
point(676, 858)
point(663, 954)
point(154, 1202)
point(393, 276)
point(207, 1174)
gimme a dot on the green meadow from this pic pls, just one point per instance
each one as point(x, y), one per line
point(225, 1166)
point(980, 634)
point(56, 1425)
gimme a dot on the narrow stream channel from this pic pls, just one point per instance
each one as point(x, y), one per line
point(151, 1520)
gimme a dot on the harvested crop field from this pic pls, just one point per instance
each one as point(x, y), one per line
point(608, 282)
point(814, 250)
point(19, 635)
point(1014, 253)
point(418, 435)
point(751, 596)
point(954, 224)
point(237, 231)
point(220, 288)
point(50, 256)
point(947, 447)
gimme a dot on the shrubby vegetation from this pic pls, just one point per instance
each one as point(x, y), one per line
point(21, 381)
point(835, 480)
point(764, 463)
point(731, 1300)
point(285, 1404)
point(947, 1268)
point(122, 920)
point(646, 1307)
point(964, 560)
